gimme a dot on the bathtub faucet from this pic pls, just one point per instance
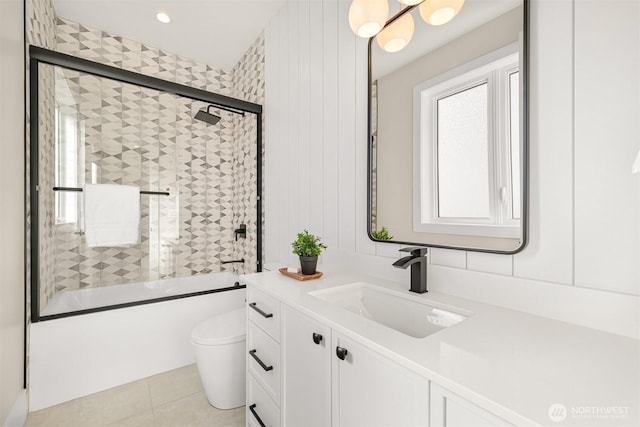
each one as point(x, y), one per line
point(418, 263)
point(239, 261)
point(240, 232)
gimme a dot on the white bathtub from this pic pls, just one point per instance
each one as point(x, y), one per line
point(71, 357)
point(87, 299)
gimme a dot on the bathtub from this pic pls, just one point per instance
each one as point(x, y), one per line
point(85, 300)
point(71, 357)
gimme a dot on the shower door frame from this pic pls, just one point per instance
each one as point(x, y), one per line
point(37, 56)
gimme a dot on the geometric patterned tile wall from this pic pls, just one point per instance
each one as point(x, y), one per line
point(131, 135)
point(41, 31)
point(249, 84)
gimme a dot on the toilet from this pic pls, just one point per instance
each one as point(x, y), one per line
point(220, 355)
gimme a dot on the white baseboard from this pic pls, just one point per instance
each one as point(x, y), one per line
point(18, 414)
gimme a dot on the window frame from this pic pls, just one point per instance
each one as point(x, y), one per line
point(64, 213)
point(494, 69)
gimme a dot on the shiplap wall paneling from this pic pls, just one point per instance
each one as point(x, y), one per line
point(330, 121)
point(304, 104)
point(276, 128)
point(548, 256)
point(346, 130)
point(270, 134)
point(315, 166)
point(293, 147)
point(607, 141)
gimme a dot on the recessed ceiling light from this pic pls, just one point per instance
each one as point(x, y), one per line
point(163, 17)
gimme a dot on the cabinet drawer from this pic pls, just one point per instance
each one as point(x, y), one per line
point(260, 406)
point(263, 360)
point(264, 311)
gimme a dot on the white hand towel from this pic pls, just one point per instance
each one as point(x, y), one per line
point(111, 215)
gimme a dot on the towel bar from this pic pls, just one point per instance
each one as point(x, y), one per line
point(159, 193)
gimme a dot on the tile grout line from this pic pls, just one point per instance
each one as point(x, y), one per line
point(153, 412)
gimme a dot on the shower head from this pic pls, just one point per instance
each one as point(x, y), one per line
point(207, 117)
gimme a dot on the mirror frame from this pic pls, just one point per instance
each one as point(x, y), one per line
point(524, 185)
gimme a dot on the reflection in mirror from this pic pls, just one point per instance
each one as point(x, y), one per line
point(447, 132)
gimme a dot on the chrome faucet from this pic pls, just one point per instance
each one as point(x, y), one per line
point(418, 263)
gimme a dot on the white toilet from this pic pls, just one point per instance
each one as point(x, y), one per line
point(220, 354)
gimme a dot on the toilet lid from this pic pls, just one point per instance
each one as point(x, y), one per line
point(225, 328)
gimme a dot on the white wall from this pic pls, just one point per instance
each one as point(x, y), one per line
point(11, 206)
point(606, 142)
point(315, 171)
point(315, 112)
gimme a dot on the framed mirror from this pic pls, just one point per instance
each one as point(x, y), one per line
point(448, 130)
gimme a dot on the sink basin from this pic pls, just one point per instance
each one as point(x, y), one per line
point(393, 309)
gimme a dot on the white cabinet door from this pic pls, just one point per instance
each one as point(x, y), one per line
point(371, 390)
point(306, 365)
point(449, 410)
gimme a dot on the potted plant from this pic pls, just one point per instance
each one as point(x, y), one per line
point(382, 234)
point(308, 247)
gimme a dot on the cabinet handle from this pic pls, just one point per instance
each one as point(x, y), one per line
point(267, 315)
point(260, 362)
point(317, 338)
point(341, 352)
point(252, 408)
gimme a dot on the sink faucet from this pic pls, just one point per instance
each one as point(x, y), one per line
point(418, 263)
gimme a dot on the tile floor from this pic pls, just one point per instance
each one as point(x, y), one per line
point(171, 399)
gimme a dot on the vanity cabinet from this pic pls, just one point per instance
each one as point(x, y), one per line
point(301, 372)
point(261, 409)
point(306, 361)
point(263, 360)
point(370, 390)
point(450, 410)
point(331, 380)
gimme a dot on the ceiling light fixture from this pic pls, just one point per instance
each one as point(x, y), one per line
point(367, 17)
point(395, 36)
point(163, 17)
point(439, 12)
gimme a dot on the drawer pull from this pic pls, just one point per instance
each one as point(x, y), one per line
point(260, 362)
point(317, 338)
point(341, 352)
point(267, 315)
point(252, 408)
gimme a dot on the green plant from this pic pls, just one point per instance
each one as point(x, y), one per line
point(307, 244)
point(382, 234)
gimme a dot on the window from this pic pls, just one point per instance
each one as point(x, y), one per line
point(66, 164)
point(467, 149)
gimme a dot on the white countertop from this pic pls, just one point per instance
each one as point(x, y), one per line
point(511, 363)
